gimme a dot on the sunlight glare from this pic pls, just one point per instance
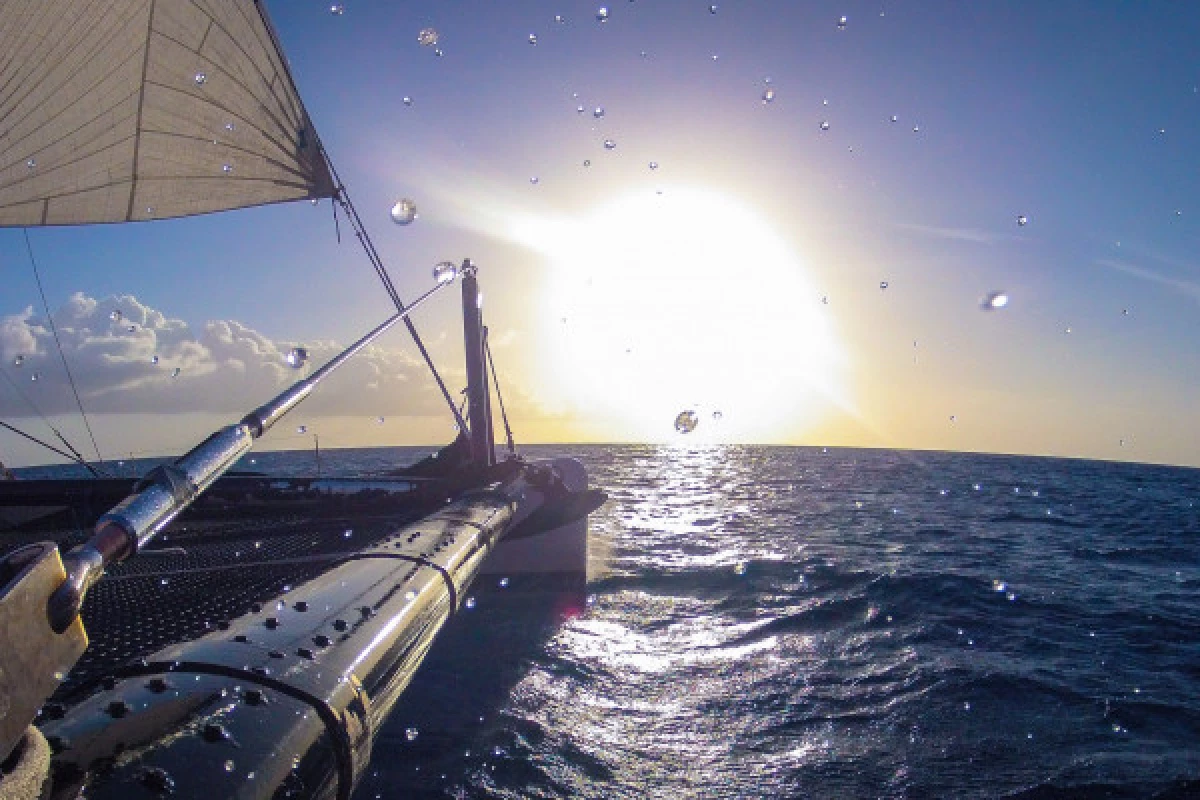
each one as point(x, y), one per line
point(687, 300)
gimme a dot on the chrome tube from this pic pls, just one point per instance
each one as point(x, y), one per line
point(168, 490)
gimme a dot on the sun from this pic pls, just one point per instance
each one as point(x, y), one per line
point(686, 301)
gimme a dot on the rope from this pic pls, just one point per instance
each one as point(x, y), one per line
point(360, 231)
point(77, 456)
point(51, 447)
point(58, 343)
point(487, 349)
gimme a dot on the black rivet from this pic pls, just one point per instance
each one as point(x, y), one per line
point(117, 709)
point(242, 638)
point(275, 654)
point(214, 733)
point(321, 640)
point(304, 652)
point(157, 685)
point(271, 623)
point(339, 624)
point(157, 780)
point(366, 612)
point(301, 605)
point(254, 697)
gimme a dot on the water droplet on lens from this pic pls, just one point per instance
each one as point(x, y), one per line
point(534, 180)
point(200, 78)
point(999, 585)
point(115, 315)
point(587, 162)
point(229, 766)
point(895, 118)
point(407, 100)
point(132, 329)
point(533, 38)
point(824, 299)
point(953, 418)
point(18, 360)
point(175, 372)
point(35, 376)
point(739, 568)
point(994, 301)
point(404, 212)
point(379, 420)
point(883, 284)
point(153, 359)
point(824, 125)
point(438, 53)
point(768, 95)
point(301, 429)
point(503, 583)
point(337, 9)
point(717, 415)
point(598, 112)
point(31, 163)
point(296, 357)
point(469, 602)
point(559, 18)
point(653, 165)
point(1022, 220)
point(967, 706)
point(602, 14)
point(227, 168)
point(712, 9)
point(580, 109)
point(411, 734)
point(609, 144)
point(842, 23)
point(686, 421)
point(444, 272)
point(916, 128)
point(428, 37)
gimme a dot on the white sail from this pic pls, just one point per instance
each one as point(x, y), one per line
point(125, 110)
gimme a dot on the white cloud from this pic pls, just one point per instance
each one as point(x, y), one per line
point(226, 367)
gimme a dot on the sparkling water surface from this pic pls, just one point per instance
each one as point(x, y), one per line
point(785, 622)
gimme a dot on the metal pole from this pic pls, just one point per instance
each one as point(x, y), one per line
point(472, 300)
point(168, 490)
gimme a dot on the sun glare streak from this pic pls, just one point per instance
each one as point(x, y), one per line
point(684, 301)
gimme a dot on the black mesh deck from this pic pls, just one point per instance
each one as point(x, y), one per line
point(211, 567)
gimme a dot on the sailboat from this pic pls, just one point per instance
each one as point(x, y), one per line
point(199, 631)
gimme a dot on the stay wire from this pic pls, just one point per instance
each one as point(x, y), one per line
point(342, 197)
point(58, 344)
point(76, 454)
point(487, 349)
point(360, 231)
point(52, 448)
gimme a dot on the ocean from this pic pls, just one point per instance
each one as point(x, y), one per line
point(774, 622)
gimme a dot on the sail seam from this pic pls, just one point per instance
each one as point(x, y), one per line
point(16, 102)
point(137, 130)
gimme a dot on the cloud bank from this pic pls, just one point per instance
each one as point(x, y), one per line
point(129, 358)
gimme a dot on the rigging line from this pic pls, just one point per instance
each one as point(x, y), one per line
point(360, 231)
point(341, 196)
point(487, 349)
point(38, 411)
point(58, 343)
point(52, 448)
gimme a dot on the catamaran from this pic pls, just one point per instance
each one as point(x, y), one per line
point(202, 631)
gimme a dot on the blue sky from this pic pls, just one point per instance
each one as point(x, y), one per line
point(1082, 116)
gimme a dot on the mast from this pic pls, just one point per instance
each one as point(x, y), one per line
point(482, 453)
